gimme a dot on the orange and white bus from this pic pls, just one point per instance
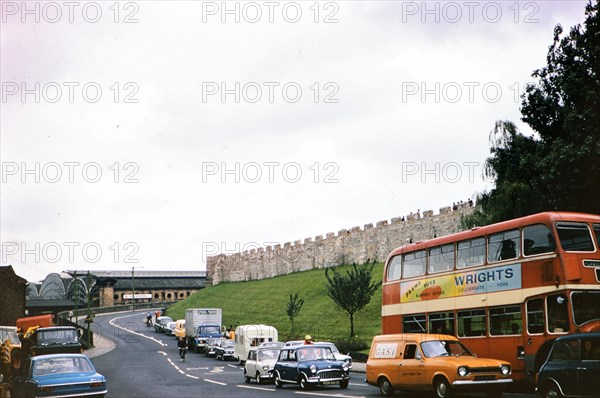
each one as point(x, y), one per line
point(504, 290)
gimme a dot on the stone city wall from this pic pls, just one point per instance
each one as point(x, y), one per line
point(354, 245)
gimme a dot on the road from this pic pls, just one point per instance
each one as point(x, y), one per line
point(146, 364)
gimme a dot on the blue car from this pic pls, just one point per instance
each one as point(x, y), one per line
point(572, 367)
point(309, 366)
point(58, 375)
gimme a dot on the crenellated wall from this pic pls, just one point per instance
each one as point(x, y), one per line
point(355, 245)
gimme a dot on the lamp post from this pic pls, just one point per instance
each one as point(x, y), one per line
point(132, 289)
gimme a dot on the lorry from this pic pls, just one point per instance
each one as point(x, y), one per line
point(202, 324)
point(251, 336)
point(39, 336)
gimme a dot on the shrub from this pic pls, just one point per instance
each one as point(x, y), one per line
point(351, 344)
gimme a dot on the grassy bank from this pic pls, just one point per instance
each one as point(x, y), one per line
point(265, 301)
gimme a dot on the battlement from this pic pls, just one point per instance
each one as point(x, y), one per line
point(354, 245)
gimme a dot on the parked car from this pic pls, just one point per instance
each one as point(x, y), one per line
point(260, 363)
point(169, 328)
point(347, 359)
point(58, 375)
point(572, 367)
point(432, 362)
point(211, 346)
point(225, 350)
point(161, 323)
point(309, 366)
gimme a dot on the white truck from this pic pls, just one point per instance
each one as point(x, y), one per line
point(202, 324)
point(250, 336)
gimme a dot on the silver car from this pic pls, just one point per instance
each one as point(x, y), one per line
point(259, 364)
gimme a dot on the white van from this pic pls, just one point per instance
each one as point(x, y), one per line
point(247, 336)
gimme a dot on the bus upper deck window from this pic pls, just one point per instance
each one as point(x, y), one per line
point(504, 246)
point(575, 237)
point(394, 268)
point(537, 239)
point(441, 259)
point(470, 253)
point(413, 264)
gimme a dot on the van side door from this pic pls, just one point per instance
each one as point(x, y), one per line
point(411, 367)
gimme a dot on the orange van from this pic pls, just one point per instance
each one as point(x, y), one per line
point(437, 362)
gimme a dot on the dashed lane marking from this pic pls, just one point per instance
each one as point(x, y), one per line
point(215, 382)
point(255, 388)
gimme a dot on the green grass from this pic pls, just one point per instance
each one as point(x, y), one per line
point(265, 301)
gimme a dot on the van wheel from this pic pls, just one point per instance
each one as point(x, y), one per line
point(441, 388)
point(551, 391)
point(385, 387)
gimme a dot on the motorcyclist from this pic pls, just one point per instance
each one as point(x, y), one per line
point(182, 344)
point(148, 319)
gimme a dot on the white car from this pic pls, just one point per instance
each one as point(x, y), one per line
point(169, 328)
point(259, 364)
point(347, 359)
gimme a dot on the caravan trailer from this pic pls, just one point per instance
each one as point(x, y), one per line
point(250, 336)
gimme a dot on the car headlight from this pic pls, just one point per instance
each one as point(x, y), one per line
point(505, 369)
point(463, 371)
point(345, 368)
point(265, 368)
point(313, 369)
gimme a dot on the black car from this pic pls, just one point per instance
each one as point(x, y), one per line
point(224, 351)
point(310, 365)
point(572, 367)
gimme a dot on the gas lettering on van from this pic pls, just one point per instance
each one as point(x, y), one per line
point(386, 350)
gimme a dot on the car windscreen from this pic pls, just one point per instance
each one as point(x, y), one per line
point(264, 355)
point(309, 353)
point(61, 365)
point(438, 348)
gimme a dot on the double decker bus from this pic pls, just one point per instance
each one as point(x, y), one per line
point(505, 290)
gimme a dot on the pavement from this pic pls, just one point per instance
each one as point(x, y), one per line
point(102, 345)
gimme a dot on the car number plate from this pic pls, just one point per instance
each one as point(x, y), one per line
point(330, 383)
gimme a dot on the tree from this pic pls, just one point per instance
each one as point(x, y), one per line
point(293, 308)
point(353, 291)
point(559, 168)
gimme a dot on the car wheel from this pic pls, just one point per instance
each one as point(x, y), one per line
point(441, 388)
point(246, 378)
point(344, 384)
point(258, 380)
point(385, 387)
point(551, 390)
point(278, 382)
point(303, 383)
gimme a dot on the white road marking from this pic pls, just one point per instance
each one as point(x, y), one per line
point(255, 388)
point(133, 331)
point(204, 368)
point(193, 377)
point(329, 395)
point(215, 382)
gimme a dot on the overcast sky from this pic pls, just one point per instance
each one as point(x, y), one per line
point(150, 134)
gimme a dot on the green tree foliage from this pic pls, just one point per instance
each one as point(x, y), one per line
point(559, 168)
point(293, 307)
point(353, 291)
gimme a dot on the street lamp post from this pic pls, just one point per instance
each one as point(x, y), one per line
point(132, 289)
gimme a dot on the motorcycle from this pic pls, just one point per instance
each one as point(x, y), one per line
point(148, 321)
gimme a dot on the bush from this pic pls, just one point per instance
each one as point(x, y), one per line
point(351, 344)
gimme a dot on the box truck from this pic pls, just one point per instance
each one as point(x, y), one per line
point(202, 324)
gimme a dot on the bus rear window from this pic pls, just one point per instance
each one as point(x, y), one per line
point(575, 237)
